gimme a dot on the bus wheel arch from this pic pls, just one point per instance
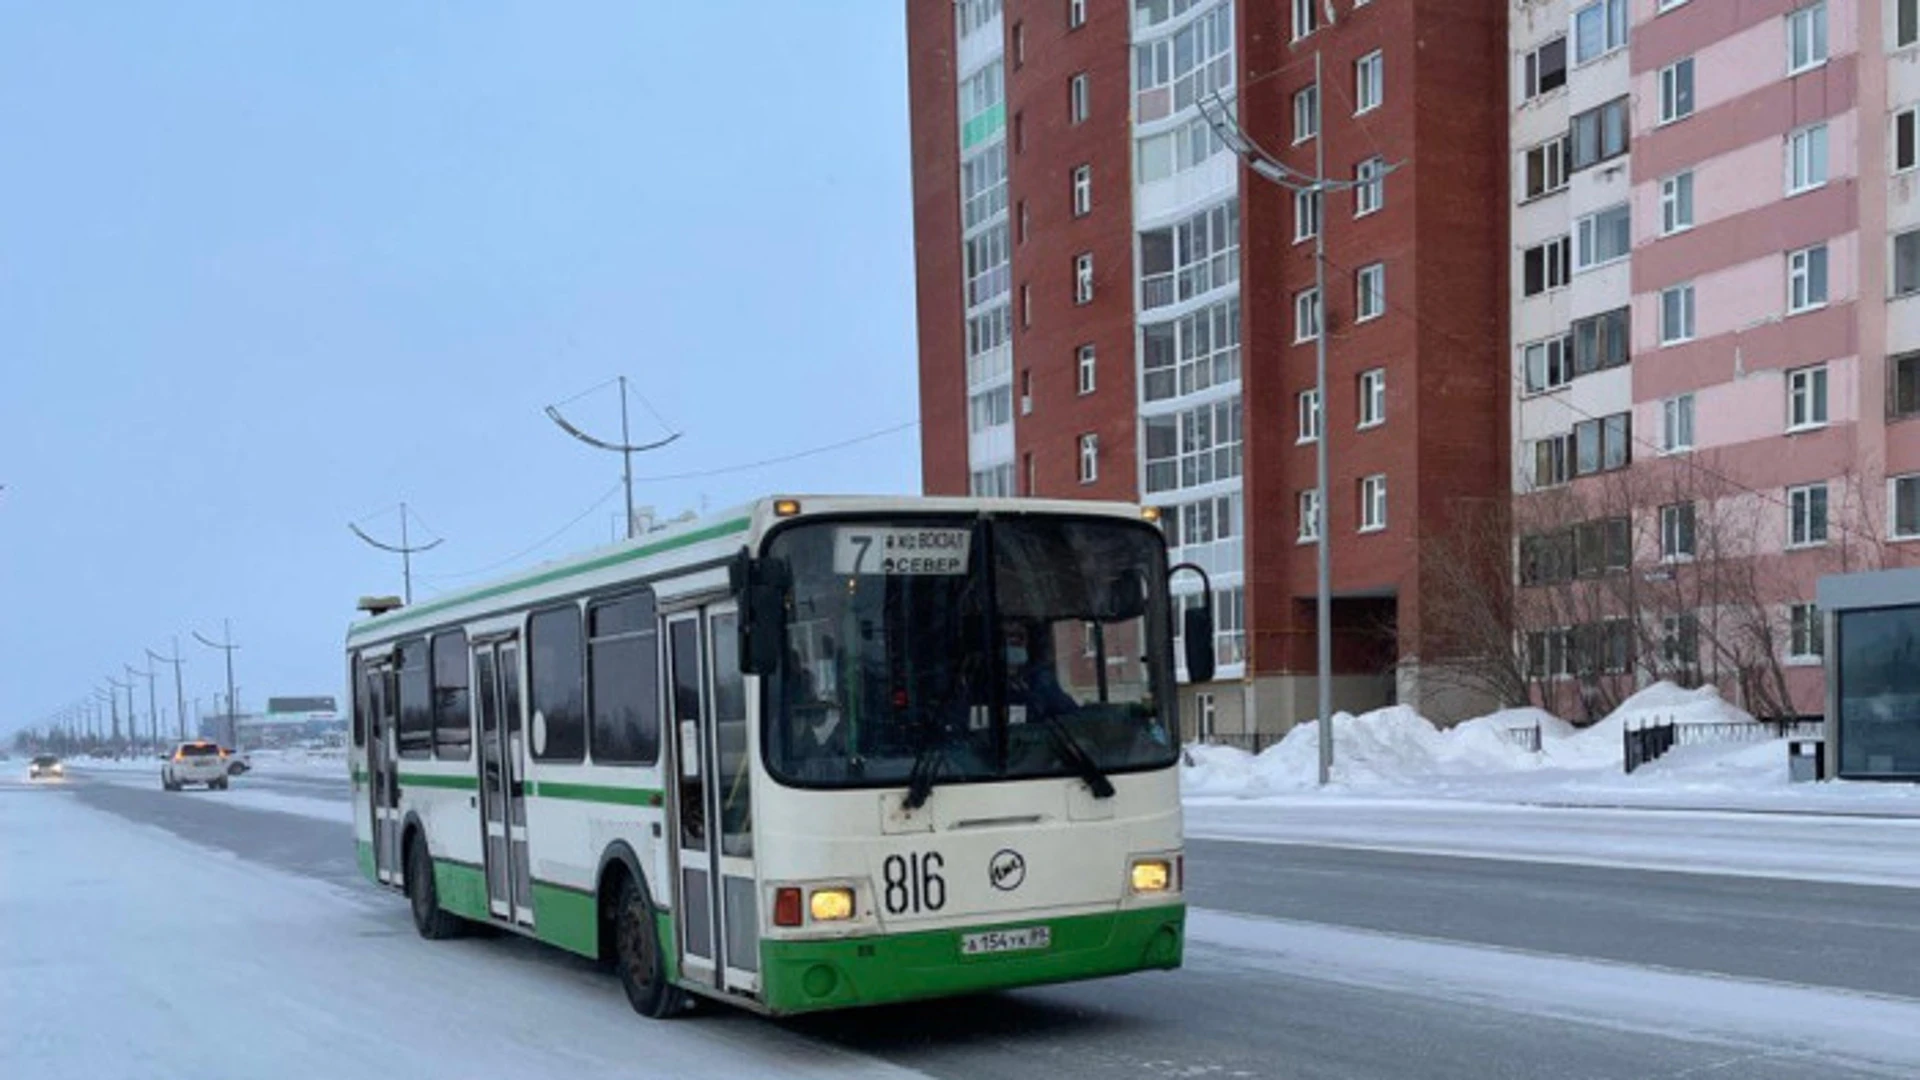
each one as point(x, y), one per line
point(630, 942)
point(435, 923)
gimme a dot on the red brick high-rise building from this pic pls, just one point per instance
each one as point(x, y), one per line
point(1112, 305)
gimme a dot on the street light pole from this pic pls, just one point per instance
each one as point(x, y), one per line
point(1323, 600)
point(625, 447)
point(226, 646)
point(179, 690)
point(153, 708)
point(404, 550)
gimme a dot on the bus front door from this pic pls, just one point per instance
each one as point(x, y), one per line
point(503, 807)
point(717, 900)
point(383, 781)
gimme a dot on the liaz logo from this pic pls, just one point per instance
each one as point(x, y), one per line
point(1007, 870)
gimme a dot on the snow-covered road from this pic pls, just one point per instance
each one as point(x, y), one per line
point(252, 951)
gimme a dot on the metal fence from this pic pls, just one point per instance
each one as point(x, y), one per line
point(1526, 738)
point(1649, 741)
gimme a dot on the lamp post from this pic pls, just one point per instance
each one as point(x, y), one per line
point(625, 447)
point(227, 646)
point(179, 691)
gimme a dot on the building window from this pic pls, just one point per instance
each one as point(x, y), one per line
point(1807, 515)
point(1306, 114)
point(1370, 292)
point(990, 409)
point(1906, 23)
point(1203, 714)
point(1547, 266)
point(1083, 278)
point(1019, 45)
point(1676, 91)
point(1547, 167)
point(1602, 547)
point(1903, 498)
point(1371, 194)
point(1807, 398)
point(1201, 350)
point(1373, 397)
point(996, 482)
point(623, 681)
point(1089, 458)
point(1603, 237)
point(1369, 82)
point(1680, 640)
point(1373, 503)
point(1676, 203)
point(1806, 633)
point(1806, 159)
point(1076, 14)
point(1548, 364)
point(983, 185)
point(1023, 221)
point(1306, 315)
point(1676, 314)
point(1806, 279)
point(1906, 263)
point(1306, 18)
point(986, 332)
point(1309, 524)
point(1664, 6)
point(1186, 147)
point(1602, 445)
point(1807, 37)
point(1600, 341)
point(1552, 461)
point(1026, 306)
point(1544, 70)
point(1193, 257)
point(1903, 386)
point(1077, 98)
point(1026, 391)
point(1175, 71)
point(1306, 215)
point(1203, 522)
point(555, 684)
point(1599, 28)
point(1676, 531)
point(1309, 403)
point(1083, 191)
point(988, 268)
point(1085, 366)
point(1599, 134)
point(1194, 447)
point(1676, 414)
point(975, 14)
point(1906, 138)
point(1545, 560)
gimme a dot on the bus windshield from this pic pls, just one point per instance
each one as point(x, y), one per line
point(970, 650)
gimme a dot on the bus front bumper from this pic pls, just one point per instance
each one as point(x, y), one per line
point(807, 975)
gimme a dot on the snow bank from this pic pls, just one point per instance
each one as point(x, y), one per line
point(1397, 751)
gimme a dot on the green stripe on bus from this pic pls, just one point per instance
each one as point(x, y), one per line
point(455, 781)
point(391, 620)
point(461, 888)
point(567, 918)
point(364, 852)
point(622, 796)
point(801, 976)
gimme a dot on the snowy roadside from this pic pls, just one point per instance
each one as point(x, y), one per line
point(241, 794)
point(148, 937)
point(1823, 1027)
point(1396, 753)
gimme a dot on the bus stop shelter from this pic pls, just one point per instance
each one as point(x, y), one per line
point(1873, 674)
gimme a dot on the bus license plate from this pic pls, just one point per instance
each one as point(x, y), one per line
point(998, 941)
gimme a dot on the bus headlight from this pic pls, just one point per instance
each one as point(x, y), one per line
point(830, 905)
point(1151, 875)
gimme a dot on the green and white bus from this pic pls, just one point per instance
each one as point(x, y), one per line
point(810, 754)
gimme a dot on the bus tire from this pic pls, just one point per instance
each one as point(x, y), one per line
point(637, 958)
point(433, 922)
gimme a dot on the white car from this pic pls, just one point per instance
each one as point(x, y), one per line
point(196, 762)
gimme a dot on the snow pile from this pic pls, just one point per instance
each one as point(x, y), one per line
point(1396, 750)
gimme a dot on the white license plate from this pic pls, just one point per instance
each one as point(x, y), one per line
point(1025, 939)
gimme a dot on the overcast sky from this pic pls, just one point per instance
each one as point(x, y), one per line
point(268, 268)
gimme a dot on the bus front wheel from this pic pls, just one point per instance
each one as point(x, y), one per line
point(638, 958)
point(433, 922)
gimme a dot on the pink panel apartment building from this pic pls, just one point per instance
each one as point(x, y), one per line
point(1716, 334)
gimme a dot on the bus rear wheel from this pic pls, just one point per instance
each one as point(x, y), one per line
point(637, 955)
point(434, 923)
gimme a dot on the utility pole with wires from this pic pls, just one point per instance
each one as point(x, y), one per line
point(403, 549)
point(1219, 116)
point(153, 707)
point(227, 646)
point(625, 447)
point(179, 690)
point(113, 700)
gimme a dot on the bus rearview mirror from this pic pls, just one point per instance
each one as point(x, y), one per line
point(1197, 632)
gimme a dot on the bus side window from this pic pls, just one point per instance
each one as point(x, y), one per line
point(734, 768)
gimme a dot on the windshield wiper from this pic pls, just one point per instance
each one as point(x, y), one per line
point(926, 765)
point(1077, 756)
